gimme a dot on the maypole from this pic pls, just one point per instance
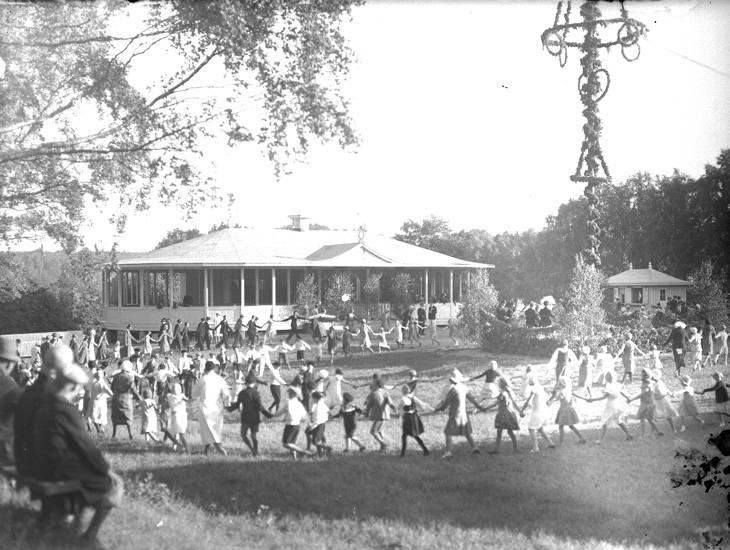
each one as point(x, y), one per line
point(593, 85)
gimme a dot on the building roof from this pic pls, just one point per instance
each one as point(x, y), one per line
point(644, 277)
point(286, 248)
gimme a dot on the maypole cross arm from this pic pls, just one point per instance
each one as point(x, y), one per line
point(593, 84)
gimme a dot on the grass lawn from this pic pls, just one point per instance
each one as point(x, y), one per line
point(613, 496)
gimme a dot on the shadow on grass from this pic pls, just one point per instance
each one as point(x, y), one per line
point(516, 492)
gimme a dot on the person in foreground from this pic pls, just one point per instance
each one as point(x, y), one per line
point(65, 450)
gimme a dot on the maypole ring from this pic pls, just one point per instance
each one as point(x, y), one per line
point(551, 40)
point(598, 98)
point(627, 57)
point(628, 34)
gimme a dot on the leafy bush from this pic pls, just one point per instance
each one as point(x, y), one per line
point(338, 285)
point(641, 327)
point(706, 291)
point(584, 319)
point(499, 337)
point(306, 294)
point(401, 289)
point(480, 299)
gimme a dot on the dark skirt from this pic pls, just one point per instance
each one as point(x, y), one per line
point(122, 409)
point(412, 424)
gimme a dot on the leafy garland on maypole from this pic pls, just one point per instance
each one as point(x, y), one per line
point(593, 85)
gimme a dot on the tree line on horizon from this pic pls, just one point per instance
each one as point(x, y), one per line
point(679, 224)
point(675, 222)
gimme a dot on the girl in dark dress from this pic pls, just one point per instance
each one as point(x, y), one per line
point(412, 424)
point(103, 345)
point(122, 403)
point(185, 336)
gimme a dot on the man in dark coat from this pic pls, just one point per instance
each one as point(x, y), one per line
point(9, 396)
point(678, 339)
point(30, 401)
point(421, 313)
point(225, 329)
point(249, 401)
point(66, 452)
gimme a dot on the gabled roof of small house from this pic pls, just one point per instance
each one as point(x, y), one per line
point(644, 277)
point(286, 248)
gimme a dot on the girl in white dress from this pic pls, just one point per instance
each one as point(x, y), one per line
point(694, 356)
point(539, 412)
point(615, 411)
point(654, 361)
point(383, 340)
point(366, 332)
point(99, 395)
point(687, 407)
point(149, 409)
point(178, 416)
point(334, 397)
point(664, 407)
point(399, 335)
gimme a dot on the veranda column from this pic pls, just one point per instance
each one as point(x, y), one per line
point(461, 277)
point(105, 288)
point(212, 290)
point(319, 286)
point(451, 292)
point(425, 286)
point(256, 276)
point(119, 288)
point(170, 292)
point(205, 291)
point(288, 286)
point(273, 289)
point(140, 285)
point(242, 295)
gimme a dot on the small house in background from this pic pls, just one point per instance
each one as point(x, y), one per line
point(646, 287)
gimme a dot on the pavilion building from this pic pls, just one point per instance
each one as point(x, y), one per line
point(646, 287)
point(255, 272)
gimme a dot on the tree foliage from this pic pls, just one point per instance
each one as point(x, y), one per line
point(371, 288)
point(401, 290)
point(177, 236)
point(707, 292)
point(673, 221)
point(306, 296)
point(584, 319)
point(480, 300)
point(76, 128)
point(338, 285)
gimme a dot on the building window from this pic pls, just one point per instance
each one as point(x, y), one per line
point(637, 296)
point(249, 287)
point(662, 294)
point(112, 289)
point(226, 287)
point(155, 289)
point(264, 287)
point(187, 288)
point(281, 297)
point(130, 288)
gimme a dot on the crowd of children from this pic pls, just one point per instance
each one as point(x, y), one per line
point(312, 397)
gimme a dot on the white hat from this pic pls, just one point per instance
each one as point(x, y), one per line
point(456, 376)
point(324, 374)
point(679, 324)
point(127, 365)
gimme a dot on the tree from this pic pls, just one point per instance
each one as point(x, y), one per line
point(338, 286)
point(34, 310)
point(79, 287)
point(14, 279)
point(430, 233)
point(177, 236)
point(707, 292)
point(401, 290)
point(306, 294)
point(480, 300)
point(74, 129)
point(223, 225)
point(584, 319)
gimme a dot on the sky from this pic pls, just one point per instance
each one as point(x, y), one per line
point(464, 116)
